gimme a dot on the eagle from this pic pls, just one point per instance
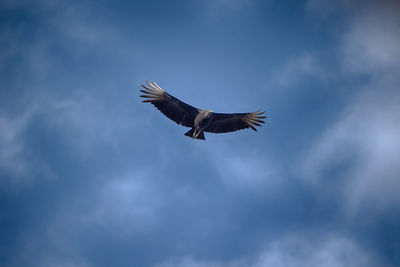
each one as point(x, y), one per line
point(199, 120)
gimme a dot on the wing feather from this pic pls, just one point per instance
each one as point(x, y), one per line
point(170, 106)
point(224, 122)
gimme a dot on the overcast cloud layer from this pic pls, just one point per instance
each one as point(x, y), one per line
point(90, 176)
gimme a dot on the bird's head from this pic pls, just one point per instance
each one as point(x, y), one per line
point(208, 113)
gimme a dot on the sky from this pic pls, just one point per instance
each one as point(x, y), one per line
point(91, 176)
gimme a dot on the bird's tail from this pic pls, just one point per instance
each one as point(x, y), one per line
point(190, 134)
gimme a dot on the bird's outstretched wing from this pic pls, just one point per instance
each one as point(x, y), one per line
point(223, 122)
point(173, 108)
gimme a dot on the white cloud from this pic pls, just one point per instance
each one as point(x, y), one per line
point(76, 24)
point(330, 252)
point(244, 170)
point(369, 42)
point(295, 251)
point(365, 137)
point(298, 68)
point(123, 205)
point(18, 163)
point(79, 119)
point(128, 199)
point(11, 142)
point(371, 45)
point(363, 142)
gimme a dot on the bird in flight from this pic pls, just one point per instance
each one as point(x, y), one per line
point(199, 120)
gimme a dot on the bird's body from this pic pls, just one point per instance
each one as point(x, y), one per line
point(199, 120)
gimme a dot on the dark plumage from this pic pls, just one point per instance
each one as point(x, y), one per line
point(199, 120)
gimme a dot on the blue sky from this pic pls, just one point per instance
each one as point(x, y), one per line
point(90, 176)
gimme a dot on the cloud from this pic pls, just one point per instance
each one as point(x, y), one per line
point(52, 245)
point(112, 209)
point(229, 5)
point(50, 262)
point(189, 261)
point(162, 197)
point(356, 158)
point(245, 172)
point(295, 251)
point(80, 120)
point(77, 25)
point(298, 68)
point(234, 4)
point(326, 8)
point(369, 34)
point(330, 251)
point(367, 45)
point(215, 10)
point(370, 45)
point(18, 162)
point(129, 199)
point(362, 143)
point(11, 142)
point(244, 169)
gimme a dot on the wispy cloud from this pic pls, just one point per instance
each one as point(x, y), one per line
point(371, 43)
point(12, 145)
point(243, 170)
point(328, 251)
point(56, 244)
point(18, 162)
point(363, 142)
point(189, 261)
point(126, 180)
point(215, 10)
point(130, 199)
point(298, 69)
point(294, 251)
